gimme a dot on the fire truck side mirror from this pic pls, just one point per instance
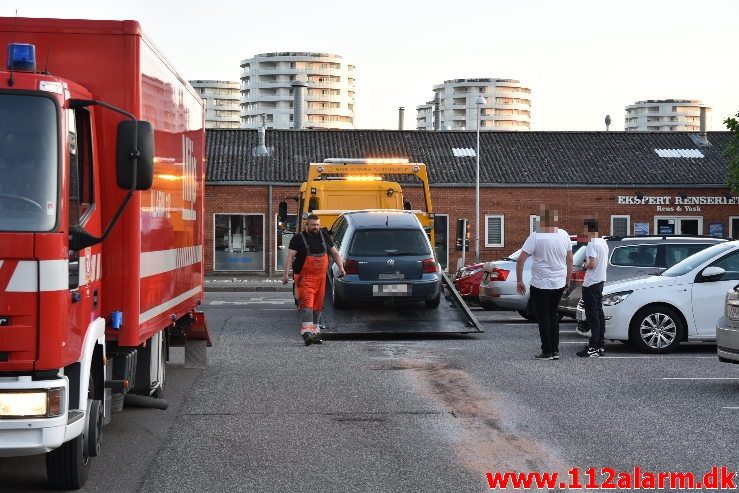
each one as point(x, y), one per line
point(135, 141)
point(282, 212)
point(312, 204)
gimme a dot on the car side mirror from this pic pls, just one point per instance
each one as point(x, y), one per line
point(712, 273)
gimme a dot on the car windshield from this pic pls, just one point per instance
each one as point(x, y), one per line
point(384, 242)
point(690, 263)
point(28, 163)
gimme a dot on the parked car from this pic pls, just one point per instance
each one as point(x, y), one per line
point(632, 256)
point(467, 281)
point(727, 328)
point(498, 286)
point(387, 255)
point(683, 303)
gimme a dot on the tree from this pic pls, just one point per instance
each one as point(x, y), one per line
point(732, 154)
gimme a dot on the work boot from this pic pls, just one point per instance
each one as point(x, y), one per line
point(317, 339)
point(307, 338)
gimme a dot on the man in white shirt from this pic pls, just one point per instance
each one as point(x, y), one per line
point(596, 262)
point(551, 252)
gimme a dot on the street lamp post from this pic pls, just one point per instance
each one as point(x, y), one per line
point(478, 102)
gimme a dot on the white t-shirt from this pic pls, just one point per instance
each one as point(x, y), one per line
point(598, 249)
point(549, 258)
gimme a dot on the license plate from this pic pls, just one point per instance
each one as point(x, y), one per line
point(580, 315)
point(733, 312)
point(390, 290)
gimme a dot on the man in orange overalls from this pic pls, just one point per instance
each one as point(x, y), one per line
point(307, 254)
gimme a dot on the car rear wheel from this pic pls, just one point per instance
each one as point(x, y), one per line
point(336, 300)
point(657, 329)
point(434, 302)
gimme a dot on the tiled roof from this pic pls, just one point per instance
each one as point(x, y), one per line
point(537, 158)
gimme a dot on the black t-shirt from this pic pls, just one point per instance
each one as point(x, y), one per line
point(314, 246)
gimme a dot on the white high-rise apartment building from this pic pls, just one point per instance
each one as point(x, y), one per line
point(507, 106)
point(266, 90)
point(221, 99)
point(665, 115)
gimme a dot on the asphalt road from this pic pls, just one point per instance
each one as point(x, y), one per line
point(407, 414)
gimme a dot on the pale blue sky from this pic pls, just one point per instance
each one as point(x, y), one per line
point(582, 59)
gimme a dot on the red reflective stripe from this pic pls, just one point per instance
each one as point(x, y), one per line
point(6, 272)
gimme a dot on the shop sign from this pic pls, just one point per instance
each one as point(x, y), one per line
point(676, 203)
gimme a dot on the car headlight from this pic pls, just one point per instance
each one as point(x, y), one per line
point(616, 298)
point(32, 403)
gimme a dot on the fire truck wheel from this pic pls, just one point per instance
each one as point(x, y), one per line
point(94, 438)
point(68, 466)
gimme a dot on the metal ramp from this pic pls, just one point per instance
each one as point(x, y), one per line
point(452, 316)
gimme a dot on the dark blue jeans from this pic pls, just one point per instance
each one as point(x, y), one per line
point(545, 302)
point(592, 297)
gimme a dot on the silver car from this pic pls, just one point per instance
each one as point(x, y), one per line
point(727, 329)
point(498, 285)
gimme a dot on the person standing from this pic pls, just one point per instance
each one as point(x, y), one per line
point(307, 254)
point(596, 255)
point(551, 252)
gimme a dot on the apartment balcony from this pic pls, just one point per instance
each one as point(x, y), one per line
point(305, 72)
point(329, 112)
point(233, 118)
point(224, 107)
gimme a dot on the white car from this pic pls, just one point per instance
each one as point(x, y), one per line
point(658, 312)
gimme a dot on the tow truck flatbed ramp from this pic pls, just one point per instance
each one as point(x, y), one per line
point(452, 316)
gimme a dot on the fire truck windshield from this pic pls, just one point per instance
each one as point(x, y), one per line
point(28, 163)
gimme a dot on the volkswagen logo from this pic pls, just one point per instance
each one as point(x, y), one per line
point(390, 262)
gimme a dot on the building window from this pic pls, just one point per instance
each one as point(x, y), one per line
point(494, 230)
point(620, 225)
point(238, 242)
point(533, 223)
point(734, 227)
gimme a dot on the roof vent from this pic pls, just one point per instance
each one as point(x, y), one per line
point(261, 149)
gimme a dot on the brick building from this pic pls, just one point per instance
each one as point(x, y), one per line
point(634, 183)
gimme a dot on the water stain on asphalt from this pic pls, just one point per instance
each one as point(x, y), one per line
point(483, 441)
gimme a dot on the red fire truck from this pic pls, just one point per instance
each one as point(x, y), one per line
point(101, 232)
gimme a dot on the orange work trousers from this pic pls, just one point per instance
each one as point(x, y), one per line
point(311, 282)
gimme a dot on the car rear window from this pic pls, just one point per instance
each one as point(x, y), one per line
point(383, 242)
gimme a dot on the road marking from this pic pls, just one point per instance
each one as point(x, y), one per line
point(700, 378)
point(731, 407)
point(252, 302)
point(658, 356)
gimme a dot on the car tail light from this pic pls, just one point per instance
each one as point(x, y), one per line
point(351, 266)
point(578, 276)
point(498, 274)
point(429, 266)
